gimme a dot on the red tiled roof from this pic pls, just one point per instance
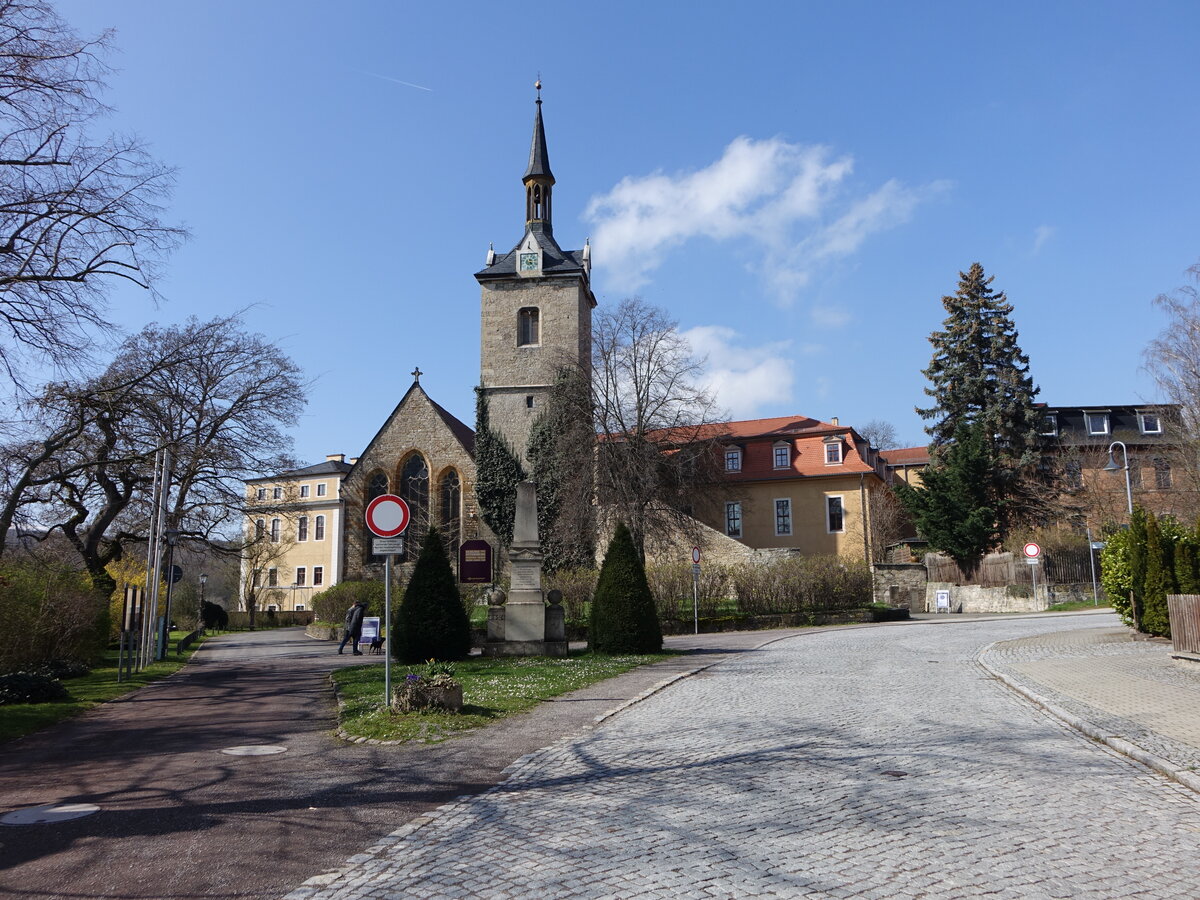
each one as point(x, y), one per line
point(906, 456)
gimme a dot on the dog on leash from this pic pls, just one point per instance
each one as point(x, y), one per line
point(376, 645)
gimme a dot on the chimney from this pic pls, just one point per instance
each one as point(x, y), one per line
point(335, 457)
point(833, 421)
point(353, 460)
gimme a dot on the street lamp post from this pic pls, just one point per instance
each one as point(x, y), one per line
point(200, 608)
point(1113, 467)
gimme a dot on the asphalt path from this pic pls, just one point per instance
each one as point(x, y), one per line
point(180, 819)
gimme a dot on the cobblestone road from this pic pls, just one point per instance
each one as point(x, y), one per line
point(880, 762)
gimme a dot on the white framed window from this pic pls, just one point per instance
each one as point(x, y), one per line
point(321, 489)
point(301, 576)
point(733, 519)
point(1049, 425)
point(1162, 474)
point(302, 528)
point(833, 453)
point(277, 493)
point(299, 607)
point(257, 581)
point(261, 494)
point(260, 529)
point(783, 517)
point(319, 529)
point(835, 516)
point(271, 607)
point(272, 577)
point(782, 455)
point(1096, 422)
point(733, 459)
point(275, 523)
point(318, 576)
point(303, 491)
point(1150, 423)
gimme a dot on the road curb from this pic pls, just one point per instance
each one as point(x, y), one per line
point(1123, 746)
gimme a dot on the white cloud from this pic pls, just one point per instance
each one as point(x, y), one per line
point(780, 197)
point(830, 316)
point(1041, 235)
point(744, 378)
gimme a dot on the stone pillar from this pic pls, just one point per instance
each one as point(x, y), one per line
point(525, 612)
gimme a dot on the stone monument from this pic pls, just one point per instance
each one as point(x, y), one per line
point(524, 612)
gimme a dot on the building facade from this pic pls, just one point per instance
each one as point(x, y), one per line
point(294, 524)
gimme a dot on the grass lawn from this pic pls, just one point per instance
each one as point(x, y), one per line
point(1078, 604)
point(492, 689)
point(87, 691)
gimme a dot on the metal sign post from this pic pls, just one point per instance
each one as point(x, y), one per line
point(1032, 551)
point(387, 516)
point(696, 588)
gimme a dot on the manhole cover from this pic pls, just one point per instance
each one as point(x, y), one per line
point(895, 773)
point(49, 813)
point(255, 750)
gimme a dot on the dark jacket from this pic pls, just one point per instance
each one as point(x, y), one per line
point(354, 619)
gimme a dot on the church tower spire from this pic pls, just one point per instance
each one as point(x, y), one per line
point(538, 179)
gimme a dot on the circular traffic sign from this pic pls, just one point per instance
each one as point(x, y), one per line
point(1031, 550)
point(387, 516)
point(696, 555)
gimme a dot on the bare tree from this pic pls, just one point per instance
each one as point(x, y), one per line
point(260, 552)
point(216, 397)
point(75, 214)
point(888, 520)
point(880, 434)
point(653, 451)
point(1173, 359)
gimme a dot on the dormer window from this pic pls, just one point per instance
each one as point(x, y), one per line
point(1097, 422)
point(833, 452)
point(1049, 425)
point(733, 459)
point(528, 327)
point(782, 455)
point(1149, 423)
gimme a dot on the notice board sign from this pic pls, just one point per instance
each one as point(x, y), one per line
point(370, 629)
point(942, 598)
point(475, 562)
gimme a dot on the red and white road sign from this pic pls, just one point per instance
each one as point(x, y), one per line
point(1032, 550)
point(696, 555)
point(387, 516)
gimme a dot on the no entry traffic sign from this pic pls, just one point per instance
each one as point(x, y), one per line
point(1031, 550)
point(387, 516)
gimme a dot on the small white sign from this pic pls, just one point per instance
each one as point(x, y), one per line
point(696, 570)
point(1032, 560)
point(1099, 545)
point(387, 546)
point(370, 629)
point(942, 599)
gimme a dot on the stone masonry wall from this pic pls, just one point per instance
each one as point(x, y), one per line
point(900, 585)
point(415, 426)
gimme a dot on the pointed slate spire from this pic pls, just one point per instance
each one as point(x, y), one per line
point(538, 178)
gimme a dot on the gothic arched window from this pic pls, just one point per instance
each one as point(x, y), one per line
point(449, 513)
point(414, 490)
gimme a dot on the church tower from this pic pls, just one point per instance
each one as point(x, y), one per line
point(536, 308)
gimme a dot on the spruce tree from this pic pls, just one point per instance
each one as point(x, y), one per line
point(497, 474)
point(953, 507)
point(979, 376)
point(623, 616)
point(431, 622)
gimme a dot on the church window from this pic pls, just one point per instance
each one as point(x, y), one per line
point(414, 490)
point(377, 486)
point(528, 326)
point(450, 499)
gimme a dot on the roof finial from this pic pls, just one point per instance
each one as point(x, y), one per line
point(538, 84)
point(416, 374)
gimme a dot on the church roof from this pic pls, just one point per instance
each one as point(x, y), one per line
point(555, 260)
point(464, 433)
point(539, 156)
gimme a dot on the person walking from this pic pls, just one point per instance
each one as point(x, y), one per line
point(353, 623)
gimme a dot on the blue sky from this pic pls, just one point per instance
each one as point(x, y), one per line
point(798, 184)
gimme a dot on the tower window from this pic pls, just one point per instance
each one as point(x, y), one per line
point(529, 401)
point(528, 326)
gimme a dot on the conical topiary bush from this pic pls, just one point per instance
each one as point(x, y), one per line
point(623, 618)
point(431, 622)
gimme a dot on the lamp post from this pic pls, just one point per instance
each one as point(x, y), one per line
point(200, 608)
point(1113, 467)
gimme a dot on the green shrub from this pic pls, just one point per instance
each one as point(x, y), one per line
point(31, 687)
point(59, 669)
point(577, 586)
point(331, 604)
point(623, 617)
point(48, 611)
point(431, 622)
point(802, 584)
point(671, 584)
